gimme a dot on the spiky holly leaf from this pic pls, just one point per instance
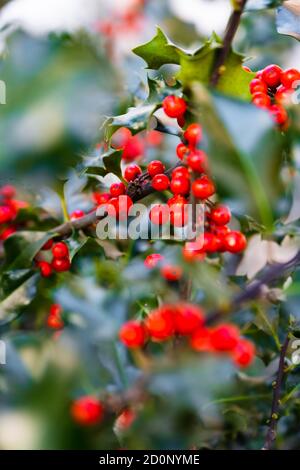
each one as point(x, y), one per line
point(136, 119)
point(198, 65)
point(108, 162)
point(159, 51)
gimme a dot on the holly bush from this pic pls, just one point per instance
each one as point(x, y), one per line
point(163, 340)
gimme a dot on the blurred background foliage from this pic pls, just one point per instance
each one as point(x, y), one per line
point(67, 66)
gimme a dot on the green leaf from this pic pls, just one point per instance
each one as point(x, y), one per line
point(11, 306)
point(109, 162)
point(288, 19)
point(22, 247)
point(136, 119)
point(157, 52)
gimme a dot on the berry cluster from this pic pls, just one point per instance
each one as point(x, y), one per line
point(188, 320)
point(9, 208)
point(54, 319)
point(60, 258)
point(272, 88)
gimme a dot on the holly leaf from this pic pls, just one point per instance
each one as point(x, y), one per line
point(12, 304)
point(157, 52)
point(136, 119)
point(253, 5)
point(109, 162)
point(288, 19)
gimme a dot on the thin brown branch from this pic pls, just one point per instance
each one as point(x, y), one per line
point(272, 426)
point(230, 33)
point(255, 288)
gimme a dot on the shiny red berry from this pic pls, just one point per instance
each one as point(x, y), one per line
point(174, 106)
point(6, 214)
point(193, 134)
point(243, 353)
point(200, 340)
point(271, 75)
point(279, 114)
point(203, 187)
point(155, 167)
point(211, 243)
point(180, 172)
point(224, 337)
point(160, 323)
point(132, 172)
point(117, 189)
point(8, 191)
point(160, 182)
point(101, 198)
point(197, 160)
point(60, 250)
point(180, 185)
point(262, 100)
point(87, 411)
point(132, 334)
point(77, 214)
point(220, 215)
point(119, 206)
point(188, 318)
point(159, 214)
point(290, 77)
point(182, 151)
point(45, 268)
point(235, 242)
point(171, 272)
point(61, 264)
point(48, 245)
point(153, 260)
point(258, 86)
point(54, 319)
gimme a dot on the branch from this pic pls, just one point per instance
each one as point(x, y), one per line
point(231, 30)
point(271, 434)
point(255, 288)
point(137, 190)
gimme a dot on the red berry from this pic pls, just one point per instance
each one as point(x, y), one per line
point(180, 172)
point(258, 86)
point(259, 74)
point(279, 114)
point(133, 148)
point(178, 214)
point(160, 323)
point(6, 214)
point(203, 187)
point(151, 261)
point(154, 138)
point(283, 95)
point(8, 191)
point(211, 243)
point(48, 245)
point(193, 134)
point(200, 340)
point(271, 75)
point(193, 251)
point(77, 214)
point(155, 167)
point(181, 121)
point(7, 232)
point(117, 189)
point(54, 319)
point(290, 77)
point(132, 334)
point(61, 264)
point(261, 100)
point(234, 242)
point(176, 200)
point(174, 106)
point(159, 214)
point(171, 272)
point(45, 268)
point(131, 172)
point(188, 318)
point(87, 411)
point(197, 161)
point(119, 206)
point(220, 215)
point(180, 185)
point(160, 182)
point(182, 151)
point(243, 353)
point(224, 337)
point(60, 250)
point(125, 420)
point(101, 198)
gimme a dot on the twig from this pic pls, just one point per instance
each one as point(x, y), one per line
point(255, 288)
point(231, 30)
point(272, 427)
